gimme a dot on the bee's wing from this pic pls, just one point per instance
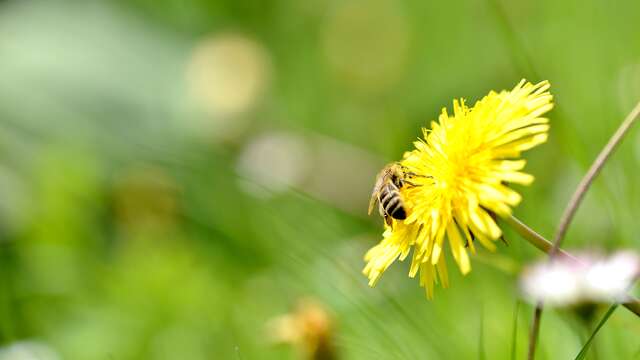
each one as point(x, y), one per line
point(372, 201)
point(375, 193)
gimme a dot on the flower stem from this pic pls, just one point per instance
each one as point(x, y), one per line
point(545, 245)
point(535, 330)
point(534, 238)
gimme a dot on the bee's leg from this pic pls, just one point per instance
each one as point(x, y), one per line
point(403, 182)
point(388, 220)
point(412, 174)
point(381, 209)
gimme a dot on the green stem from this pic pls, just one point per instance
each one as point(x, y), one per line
point(514, 333)
point(534, 238)
point(583, 352)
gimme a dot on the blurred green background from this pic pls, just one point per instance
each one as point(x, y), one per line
point(175, 174)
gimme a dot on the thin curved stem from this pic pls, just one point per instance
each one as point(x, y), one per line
point(586, 181)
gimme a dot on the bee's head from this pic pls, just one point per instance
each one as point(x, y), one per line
point(396, 173)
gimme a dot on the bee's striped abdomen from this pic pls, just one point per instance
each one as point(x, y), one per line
point(391, 202)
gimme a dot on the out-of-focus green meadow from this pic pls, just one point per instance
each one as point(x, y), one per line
point(176, 174)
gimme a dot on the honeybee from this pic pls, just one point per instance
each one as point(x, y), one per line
point(386, 192)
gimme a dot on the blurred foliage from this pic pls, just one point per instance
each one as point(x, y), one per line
point(175, 174)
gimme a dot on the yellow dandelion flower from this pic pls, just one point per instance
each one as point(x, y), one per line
point(460, 171)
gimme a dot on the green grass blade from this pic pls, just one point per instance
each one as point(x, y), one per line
point(514, 333)
point(585, 348)
point(481, 354)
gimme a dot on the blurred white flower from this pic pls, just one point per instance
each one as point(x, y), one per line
point(275, 161)
point(612, 277)
point(556, 283)
point(590, 278)
point(28, 350)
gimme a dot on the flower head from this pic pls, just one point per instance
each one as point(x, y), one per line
point(309, 327)
point(458, 176)
point(586, 279)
